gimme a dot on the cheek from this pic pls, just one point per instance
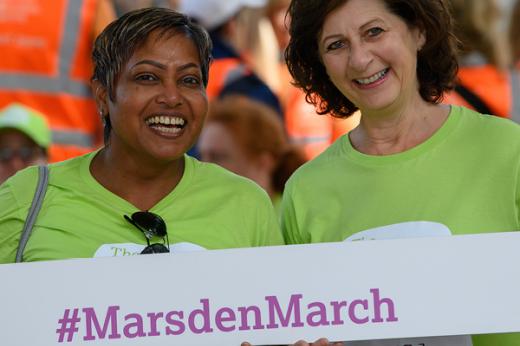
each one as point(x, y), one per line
point(335, 67)
point(199, 104)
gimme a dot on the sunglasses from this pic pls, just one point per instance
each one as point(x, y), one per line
point(26, 154)
point(151, 225)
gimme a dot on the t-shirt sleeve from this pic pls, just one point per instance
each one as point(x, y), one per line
point(290, 229)
point(269, 227)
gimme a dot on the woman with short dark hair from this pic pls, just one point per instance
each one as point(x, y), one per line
point(140, 193)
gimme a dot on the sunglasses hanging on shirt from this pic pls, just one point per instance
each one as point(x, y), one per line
point(152, 225)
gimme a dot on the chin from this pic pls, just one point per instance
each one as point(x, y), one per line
point(167, 155)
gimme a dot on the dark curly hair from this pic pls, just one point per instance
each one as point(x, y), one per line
point(436, 62)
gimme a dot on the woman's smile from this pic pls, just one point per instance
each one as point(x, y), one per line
point(167, 125)
point(372, 81)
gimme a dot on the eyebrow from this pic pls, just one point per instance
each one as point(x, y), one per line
point(164, 67)
point(370, 22)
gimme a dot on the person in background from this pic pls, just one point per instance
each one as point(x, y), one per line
point(123, 6)
point(485, 80)
point(230, 71)
point(413, 166)
point(248, 138)
point(514, 34)
point(150, 74)
point(24, 139)
point(45, 48)
point(312, 133)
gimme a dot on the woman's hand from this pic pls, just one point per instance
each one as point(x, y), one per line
point(320, 342)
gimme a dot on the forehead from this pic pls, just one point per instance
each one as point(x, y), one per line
point(168, 46)
point(356, 13)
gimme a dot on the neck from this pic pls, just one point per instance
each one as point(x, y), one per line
point(386, 133)
point(142, 183)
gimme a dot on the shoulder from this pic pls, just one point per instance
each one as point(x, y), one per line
point(489, 127)
point(22, 185)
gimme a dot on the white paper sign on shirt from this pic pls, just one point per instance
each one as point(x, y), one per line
point(387, 289)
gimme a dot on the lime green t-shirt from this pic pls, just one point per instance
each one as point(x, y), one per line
point(210, 208)
point(464, 179)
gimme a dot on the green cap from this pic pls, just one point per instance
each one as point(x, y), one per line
point(28, 121)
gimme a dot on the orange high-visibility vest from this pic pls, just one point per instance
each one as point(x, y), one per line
point(45, 64)
point(309, 130)
point(223, 72)
point(492, 86)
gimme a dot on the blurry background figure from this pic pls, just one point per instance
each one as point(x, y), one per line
point(235, 31)
point(123, 6)
point(234, 39)
point(24, 139)
point(484, 78)
point(45, 48)
point(305, 128)
point(256, 39)
point(514, 34)
point(248, 138)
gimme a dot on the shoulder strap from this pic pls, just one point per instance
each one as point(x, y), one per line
point(473, 99)
point(39, 195)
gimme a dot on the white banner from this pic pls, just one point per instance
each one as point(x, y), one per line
point(344, 291)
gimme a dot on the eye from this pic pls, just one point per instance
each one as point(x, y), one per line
point(146, 77)
point(191, 80)
point(335, 45)
point(373, 32)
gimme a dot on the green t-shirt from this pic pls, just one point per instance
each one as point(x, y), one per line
point(210, 208)
point(464, 179)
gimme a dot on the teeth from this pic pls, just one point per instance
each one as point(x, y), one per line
point(373, 78)
point(168, 129)
point(165, 120)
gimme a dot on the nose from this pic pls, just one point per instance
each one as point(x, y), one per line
point(170, 95)
point(359, 57)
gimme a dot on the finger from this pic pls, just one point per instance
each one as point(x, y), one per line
point(301, 343)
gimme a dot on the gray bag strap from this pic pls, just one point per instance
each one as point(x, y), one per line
point(515, 83)
point(39, 195)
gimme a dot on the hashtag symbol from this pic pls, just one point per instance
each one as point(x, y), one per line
point(67, 325)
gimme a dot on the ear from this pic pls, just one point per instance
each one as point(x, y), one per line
point(101, 97)
point(421, 39)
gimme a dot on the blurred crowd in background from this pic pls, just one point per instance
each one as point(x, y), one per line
point(259, 124)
